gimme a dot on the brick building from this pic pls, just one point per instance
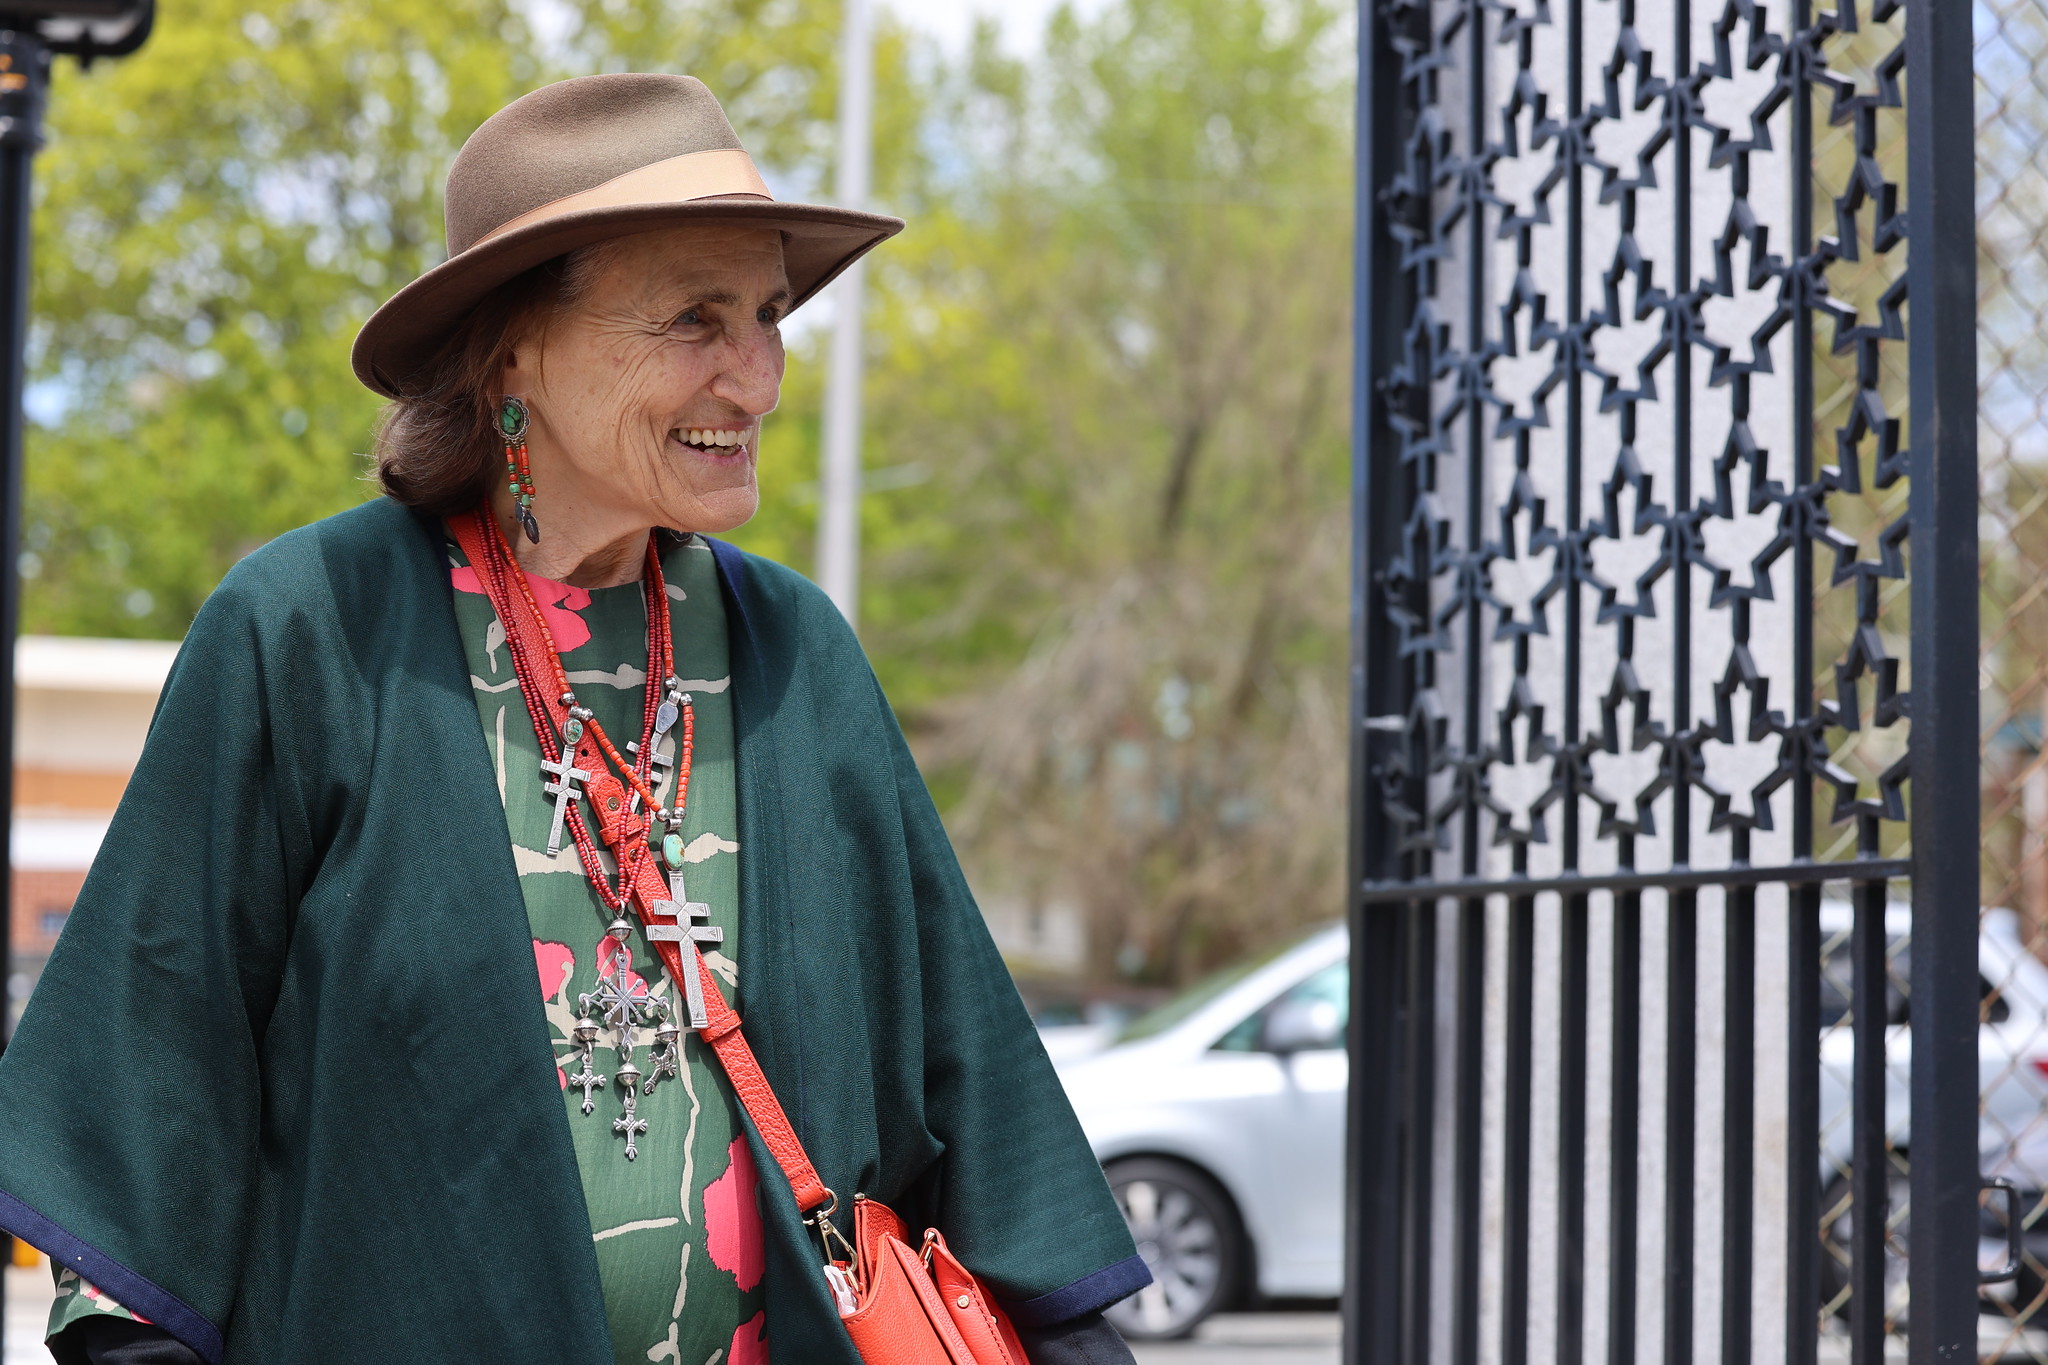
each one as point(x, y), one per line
point(82, 709)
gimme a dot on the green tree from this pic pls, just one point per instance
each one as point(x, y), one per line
point(1116, 354)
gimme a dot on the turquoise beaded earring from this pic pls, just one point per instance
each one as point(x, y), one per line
point(512, 429)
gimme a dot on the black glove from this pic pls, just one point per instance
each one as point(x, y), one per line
point(1079, 1341)
point(119, 1341)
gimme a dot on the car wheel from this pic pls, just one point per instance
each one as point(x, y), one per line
point(1188, 1233)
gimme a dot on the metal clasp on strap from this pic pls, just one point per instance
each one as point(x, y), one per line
point(828, 1232)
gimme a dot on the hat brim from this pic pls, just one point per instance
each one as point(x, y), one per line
point(402, 338)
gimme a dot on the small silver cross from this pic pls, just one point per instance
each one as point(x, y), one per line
point(663, 1058)
point(631, 1124)
point(565, 792)
point(586, 1038)
point(693, 927)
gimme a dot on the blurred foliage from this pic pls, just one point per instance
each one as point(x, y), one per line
point(1106, 535)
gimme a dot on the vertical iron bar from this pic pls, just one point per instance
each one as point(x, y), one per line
point(1802, 1126)
point(1941, 346)
point(1472, 913)
point(1571, 1135)
point(1621, 1143)
point(1382, 1034)
point(1738, 1127)
point(1571, 1076)
point(1418, 1168)
point(1867, 1186)
point(1682, 906)
point(1802, 1056)
point(1680, 1103)
point(1470, 1109)
point(1521, 969)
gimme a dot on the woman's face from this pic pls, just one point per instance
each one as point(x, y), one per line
point(646, 396)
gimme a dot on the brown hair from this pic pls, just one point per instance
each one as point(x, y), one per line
point(436, 446)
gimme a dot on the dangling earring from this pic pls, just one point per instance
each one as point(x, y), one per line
point(512, 427)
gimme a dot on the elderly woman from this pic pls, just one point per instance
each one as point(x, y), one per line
point(395, 1021)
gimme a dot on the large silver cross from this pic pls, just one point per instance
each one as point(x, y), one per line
point(692, 927)
point(565, 792)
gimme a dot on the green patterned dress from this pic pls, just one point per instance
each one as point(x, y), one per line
point(677, 1231)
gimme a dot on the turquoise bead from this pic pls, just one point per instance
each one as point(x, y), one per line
point(572, 731)
point(672, 849)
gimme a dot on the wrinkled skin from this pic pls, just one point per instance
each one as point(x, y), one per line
point(675, 332)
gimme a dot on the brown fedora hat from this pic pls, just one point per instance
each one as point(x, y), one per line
point(575, 163)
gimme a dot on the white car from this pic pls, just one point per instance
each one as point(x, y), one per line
point(1219, 1118)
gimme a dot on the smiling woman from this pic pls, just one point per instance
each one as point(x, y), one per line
point(524, 717)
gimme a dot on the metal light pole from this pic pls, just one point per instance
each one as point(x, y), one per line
point(30, 35)
point(839, 481)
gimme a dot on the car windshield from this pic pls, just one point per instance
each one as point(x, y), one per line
point(1163, 1017)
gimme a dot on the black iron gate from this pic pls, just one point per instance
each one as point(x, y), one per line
point(1666, 830)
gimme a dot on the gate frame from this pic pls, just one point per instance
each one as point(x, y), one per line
point(1943, 814)
point(1941, 350)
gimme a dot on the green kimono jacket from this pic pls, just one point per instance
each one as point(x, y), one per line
point(285, 1088)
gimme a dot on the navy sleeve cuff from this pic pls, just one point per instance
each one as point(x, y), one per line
point(131, 1290)
point(1089, 1294)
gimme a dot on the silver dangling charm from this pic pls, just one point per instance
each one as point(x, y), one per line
point(663, 1061)
point(586, 1039)
point(631, 1124)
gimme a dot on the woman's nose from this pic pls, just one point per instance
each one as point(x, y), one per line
point(753, 377)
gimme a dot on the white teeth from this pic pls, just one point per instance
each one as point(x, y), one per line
point(706, 436)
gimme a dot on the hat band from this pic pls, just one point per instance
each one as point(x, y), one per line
point(724, 172)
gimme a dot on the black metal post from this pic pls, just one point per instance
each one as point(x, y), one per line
point(1941, 274)
point(1380, 1137)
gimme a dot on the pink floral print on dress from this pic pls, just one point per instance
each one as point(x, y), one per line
point(556, 963)
point(750, 1342)
point(560, 604)
point(732, 1223)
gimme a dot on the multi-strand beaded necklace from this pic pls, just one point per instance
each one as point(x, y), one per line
point(580, 757)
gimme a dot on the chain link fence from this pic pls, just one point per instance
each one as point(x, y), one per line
point(2012, 245)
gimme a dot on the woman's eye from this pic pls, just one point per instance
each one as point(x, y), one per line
point(690, 317)
point(768, 317)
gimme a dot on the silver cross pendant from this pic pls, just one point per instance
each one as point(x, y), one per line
point(564, 790)
point(692, 927)
point(624, 1005)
